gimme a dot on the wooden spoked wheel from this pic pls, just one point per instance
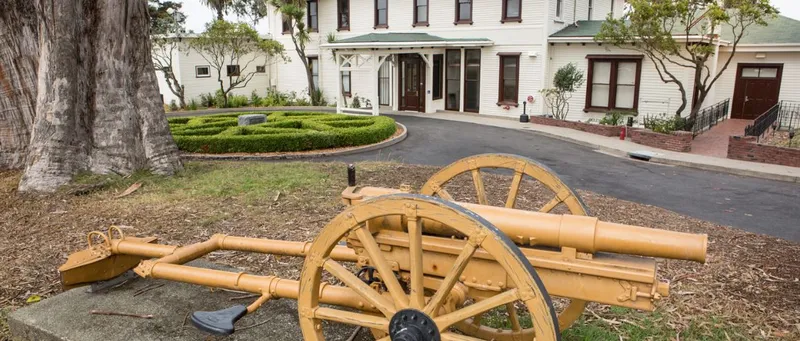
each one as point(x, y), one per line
point(397, 303)
point(521, 166)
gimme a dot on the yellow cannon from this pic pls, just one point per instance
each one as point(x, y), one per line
point(422, 266)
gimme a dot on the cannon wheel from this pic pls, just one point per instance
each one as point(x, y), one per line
point(521, 166)
point(524, 284)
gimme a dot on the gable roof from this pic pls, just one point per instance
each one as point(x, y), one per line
point(780, 30)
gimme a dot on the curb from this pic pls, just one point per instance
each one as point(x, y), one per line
point(356, 150)
point(672, 162)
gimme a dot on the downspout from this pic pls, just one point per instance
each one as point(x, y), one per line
point(575, 13)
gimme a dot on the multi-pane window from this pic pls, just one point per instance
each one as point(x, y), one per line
point(420, 12)
point(261, 69)
point(343, 11)
point(613, 83)
point(453, 80)
point(512, 10)
point(233, 70)
point(313, 15)
point(202, 71)
point(463, 11)
point(346, 80)
point(286, 23)
point(381, 13)
point(509, 79)
point(438, 63)
point(472, 80)
point(313, 64)
point(559, 8)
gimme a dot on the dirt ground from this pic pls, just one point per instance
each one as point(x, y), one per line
point(749, 284)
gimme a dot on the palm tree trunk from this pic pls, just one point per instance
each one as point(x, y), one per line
point(19, 60)
point(98, 107)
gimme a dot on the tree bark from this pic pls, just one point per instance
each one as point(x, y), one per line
point(98, 106)
point(19, 61)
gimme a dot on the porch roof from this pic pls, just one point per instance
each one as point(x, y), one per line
point(404, 40)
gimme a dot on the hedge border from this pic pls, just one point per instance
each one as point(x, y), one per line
point(283, 132)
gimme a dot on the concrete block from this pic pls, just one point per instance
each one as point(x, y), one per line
point(66, 316)
point(250, 119)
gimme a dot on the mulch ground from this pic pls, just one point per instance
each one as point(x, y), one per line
point(750, 281)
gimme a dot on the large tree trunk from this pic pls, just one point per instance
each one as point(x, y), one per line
point(98, 106)
point(19, 58)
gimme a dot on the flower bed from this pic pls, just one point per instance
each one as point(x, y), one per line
point(598, 129)
point(747, 149)
point(283, 132)
point(677, 141)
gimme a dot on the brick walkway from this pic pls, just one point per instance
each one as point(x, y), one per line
point(715, 141)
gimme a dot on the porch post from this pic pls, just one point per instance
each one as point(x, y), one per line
point(339, 99)
point(395, 95)
point(428, 91)
point(376, 101)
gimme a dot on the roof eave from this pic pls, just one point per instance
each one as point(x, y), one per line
point(590, 39)
point(402, 45)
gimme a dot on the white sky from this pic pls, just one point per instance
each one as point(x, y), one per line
point(198, 15)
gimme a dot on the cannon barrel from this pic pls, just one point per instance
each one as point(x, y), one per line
point(585, 234)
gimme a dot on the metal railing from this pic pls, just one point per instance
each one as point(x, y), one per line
point(789, 117)
point(763, 122)
point(709, 117)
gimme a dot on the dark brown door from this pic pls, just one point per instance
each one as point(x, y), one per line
point(758, 88)
point(412, 83)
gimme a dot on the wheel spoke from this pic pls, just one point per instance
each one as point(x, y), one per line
point(387, 275)
point(445, 321)
point(364, 290)
point(478, 180)
point(442, 193)
point(551, 204)
point(476, 320)
point(457, 337)
point(417, 272)
point(513, 316)
point(450, 280)
point(348, 317)
point(512, 193)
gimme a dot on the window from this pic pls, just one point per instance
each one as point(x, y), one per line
point(438, 61)
point(559, 8)
point(509, 79)
point(512, 11)
point(287, 24)
point(613, 82)
point(233, 70)
point(759, 72)
point(420, 13)
point(463, 12)
point(472, 80)
point(591, 6)
point(343, 8)
point(313, 15)
point(453, 80)
point(381, 13)
point(261, 69)
point(346, 81)
point(202, 71)
point(313, 63)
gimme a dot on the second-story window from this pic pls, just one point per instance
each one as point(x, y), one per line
point(559, 9)
point(463, 12)
point(512, 10)
point(420, 12)
point(381, 13)
point(313, 16)
point(343, 9)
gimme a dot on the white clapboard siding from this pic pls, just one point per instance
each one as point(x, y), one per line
point(790, 81)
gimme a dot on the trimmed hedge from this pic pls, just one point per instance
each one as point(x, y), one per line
point(283, 132)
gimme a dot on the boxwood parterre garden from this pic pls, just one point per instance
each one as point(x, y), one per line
point(283, 132)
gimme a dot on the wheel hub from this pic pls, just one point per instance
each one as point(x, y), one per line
point(413, 325)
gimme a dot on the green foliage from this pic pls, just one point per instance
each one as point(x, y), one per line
point(192, 104)
point(208, 100)
point(221, 99)
point(276, 98)
point(615, 118)
point(163, 22)
point(566, 80)
point(318, 98)
point(173, 106)
point(255, 99)
point(283, 132)
point(238, 101)
point(666, 124)
point(660, 30)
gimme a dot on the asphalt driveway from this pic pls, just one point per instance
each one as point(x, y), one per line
point(756, 205)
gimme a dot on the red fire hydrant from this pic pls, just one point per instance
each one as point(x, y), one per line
point(622, 133)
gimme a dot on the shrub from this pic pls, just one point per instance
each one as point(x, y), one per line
point(255, 99)
point(192, 104)
point(614, 118)
point(219, 98)
point(208, 100)
point(237, 101)
point(275, 98)
point(318, 98)
point(173, 106)
point(666, 124)
point(283, 132)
